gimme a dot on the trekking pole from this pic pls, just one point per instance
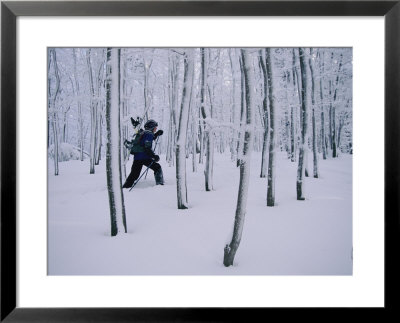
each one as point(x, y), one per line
point(145, 172)
point(153, 150)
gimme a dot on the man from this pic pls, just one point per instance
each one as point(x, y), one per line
point(144, 155)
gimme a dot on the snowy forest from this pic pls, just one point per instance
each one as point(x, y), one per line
point(257, 144)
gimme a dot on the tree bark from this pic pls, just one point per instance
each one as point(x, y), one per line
point(182, 129)
point(314, 130)
point(304, 118)
point(208, 134)
point(334, 143)
point(93, 115)
point(209, 167)
point(113, 155)
point(99, 111)
point(234, 116)
point(242, 113)
point(264, 163)
point(293, 110)
point(80, 117)
point(53, 98)
point(231, 249)
point(272, 131)
point(321, 89)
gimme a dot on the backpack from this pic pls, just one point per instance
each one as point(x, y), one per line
point(136, 146)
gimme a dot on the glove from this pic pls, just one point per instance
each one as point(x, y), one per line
point(156, 158)
point(158, 133)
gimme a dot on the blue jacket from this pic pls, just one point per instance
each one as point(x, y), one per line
point(146, 141)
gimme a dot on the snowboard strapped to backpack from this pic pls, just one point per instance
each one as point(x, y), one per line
point(134, 146)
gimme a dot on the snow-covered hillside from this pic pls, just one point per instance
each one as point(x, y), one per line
point(311, 237)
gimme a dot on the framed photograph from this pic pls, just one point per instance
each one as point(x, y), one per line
point(198, 161)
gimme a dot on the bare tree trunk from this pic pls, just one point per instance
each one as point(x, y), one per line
point(194, 141)
point(122, 67)
point(93, 115)
point(334, 146)
point(242, 114)
point(293, 110)
point(209, 167)
point(80, 117)
point(302, 115)
point(193, 114)
point(113, 155)
point(99, 126)
point(64, 138)
point(287, 122)
point(53, 98)
point(208, 133)
point(264, 164)
point(173, 103)
point(202, 100)
point(272, 131)
point(334, 143)
point(341, 124)
point(201, 136)
point(234, 110)
point(314, 130)
point(99, 111)
point(321, 89)
point(304, 119)
point(231, 249)
point(181, 184)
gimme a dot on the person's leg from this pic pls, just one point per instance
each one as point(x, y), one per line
point(135, 172)
point(156, 167)
point(158, 174)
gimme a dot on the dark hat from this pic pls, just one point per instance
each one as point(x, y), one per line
point(150, 124)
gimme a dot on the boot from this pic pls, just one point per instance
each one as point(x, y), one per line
point(158, 176)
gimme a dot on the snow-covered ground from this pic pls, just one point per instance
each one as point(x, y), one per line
point(311, 237)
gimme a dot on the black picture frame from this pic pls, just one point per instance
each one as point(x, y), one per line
point(10, 10)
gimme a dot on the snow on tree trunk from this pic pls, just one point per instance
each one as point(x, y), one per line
point(231, 249)
point(304, 123)
point(78, 98)
point(173, 103)
point(293, 110)
point(273, 131)
point(234, 107)
point(208, 133)
point(93, 115)
point(314, 130)
point(99, 127)
point(264, 163)
point(292, 135)
point(334, 143)
point(330, 116)
point(321, 94)
point(210, 136)
point(194, 142)
point(181, 184)
point(113, 154)
point(99, 112)
point(287, 129)
point(123, 109)
point(334, 146)
point(242, 114)
point(81, 137)
point(209, 169)
point(52, 99)
point(193, 114)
